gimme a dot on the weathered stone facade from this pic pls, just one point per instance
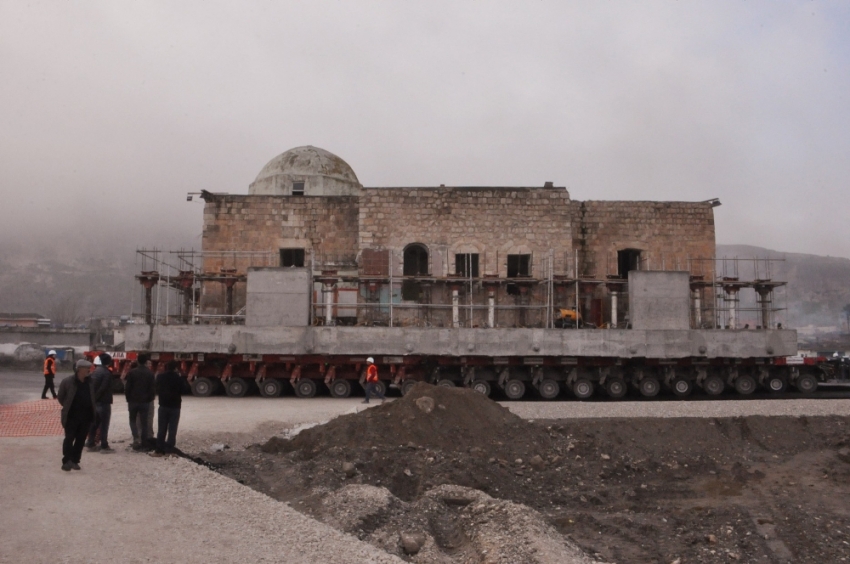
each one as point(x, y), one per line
point(357, 237)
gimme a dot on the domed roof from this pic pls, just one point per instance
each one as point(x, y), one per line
point(307, 161)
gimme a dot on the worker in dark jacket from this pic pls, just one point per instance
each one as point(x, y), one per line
point(102, 383)
point(170, 387)
point(139, 389)
point(76, 395)
point(49, 373)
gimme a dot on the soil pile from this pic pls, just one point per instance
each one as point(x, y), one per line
point(753, 489)
point(430, 417)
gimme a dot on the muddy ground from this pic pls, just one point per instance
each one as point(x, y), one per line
point(753, 489)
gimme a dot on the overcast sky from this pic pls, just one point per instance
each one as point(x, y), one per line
point(111, 111)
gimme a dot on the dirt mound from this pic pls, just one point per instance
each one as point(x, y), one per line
point(432, 417)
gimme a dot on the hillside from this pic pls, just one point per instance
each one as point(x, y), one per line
point(818, 287)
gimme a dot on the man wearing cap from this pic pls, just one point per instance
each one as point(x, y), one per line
point(102, 384)
point(76, 396)
point(49, 373)
point(372, 381)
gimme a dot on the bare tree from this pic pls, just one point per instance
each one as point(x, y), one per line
point(67, 309)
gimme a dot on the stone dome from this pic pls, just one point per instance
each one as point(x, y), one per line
point(307, 171)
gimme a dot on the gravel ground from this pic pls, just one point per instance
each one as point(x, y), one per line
point(127, 507)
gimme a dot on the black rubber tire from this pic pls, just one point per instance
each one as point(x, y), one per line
point(202, 387)
point(549, 389)
point(406, 386)
point(713, 385)
point(682, 387)
point(776, 384)
point(236, 387)
point(514, 389)
point(806, 383)
point(616, 388)
point(649, 387)
point(340, 388)
point(446, 383)
point(745, 384)
point(270, 388)
point(305, 388)
point(482, 387)
point(583, 388)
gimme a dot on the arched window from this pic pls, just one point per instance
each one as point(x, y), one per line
point(416, 260)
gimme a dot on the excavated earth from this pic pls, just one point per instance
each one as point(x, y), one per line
point(445, 475)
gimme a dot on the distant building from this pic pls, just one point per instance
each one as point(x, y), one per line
point(23, 320)
point(526, 249)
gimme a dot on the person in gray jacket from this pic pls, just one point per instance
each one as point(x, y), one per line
point(76, 396)
point(101, 381)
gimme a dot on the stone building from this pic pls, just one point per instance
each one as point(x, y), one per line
point(445, 256)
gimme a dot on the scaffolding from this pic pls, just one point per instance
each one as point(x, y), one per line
point(370, 289)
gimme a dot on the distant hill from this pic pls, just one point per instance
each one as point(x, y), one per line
point(818, 287)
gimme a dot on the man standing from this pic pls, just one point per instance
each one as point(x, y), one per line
point(102, 384)
point(372, 381)
point(49, 373)
point(76, 396)
point(170, 387)
point(140, 392)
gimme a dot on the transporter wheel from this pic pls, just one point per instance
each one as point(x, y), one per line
point(776, 384)
point(549, 389)
point(406, 386)
point(446, 383)
point(806, 383)
point(514, 389)
point(682, 387)
point(305, 388)
point(583, 388)
point(202, 387)
point(616, 388)
point(745, 385)
point(340, 388)
point(270, 388)
point(649, 387)
point(236, 387)
point(482, 387)
point(713, 385)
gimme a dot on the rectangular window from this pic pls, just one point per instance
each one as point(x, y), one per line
point(466, 265)
point(298, 188)
point(292, 257)
point(519, 265)
point(627, 260)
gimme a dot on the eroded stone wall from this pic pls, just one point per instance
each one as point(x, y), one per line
point(669, 235)
point(327, 228)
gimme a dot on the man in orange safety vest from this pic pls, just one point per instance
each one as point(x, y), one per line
point(373, 385)
point(49, 373)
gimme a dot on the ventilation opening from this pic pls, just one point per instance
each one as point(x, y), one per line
point(292, 257)
point(298, 188)
point(519, 265)
point(415, 260)
point(627, 260)
point(466, 265)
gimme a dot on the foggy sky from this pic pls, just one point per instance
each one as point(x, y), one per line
point(111, 111)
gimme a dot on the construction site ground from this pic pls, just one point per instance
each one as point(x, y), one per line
point(447, 475)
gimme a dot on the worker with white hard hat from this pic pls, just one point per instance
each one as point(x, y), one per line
point(49, 373)
point(372, 382)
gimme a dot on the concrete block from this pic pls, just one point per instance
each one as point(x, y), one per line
point(659, 300)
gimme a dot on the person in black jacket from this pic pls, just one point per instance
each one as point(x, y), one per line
point(101, 381)
point(76, 396)
point(170, 387)
point(139, 389)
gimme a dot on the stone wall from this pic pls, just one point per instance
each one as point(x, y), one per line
point(668, 234)
point(325, 227)
point(493, 222)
